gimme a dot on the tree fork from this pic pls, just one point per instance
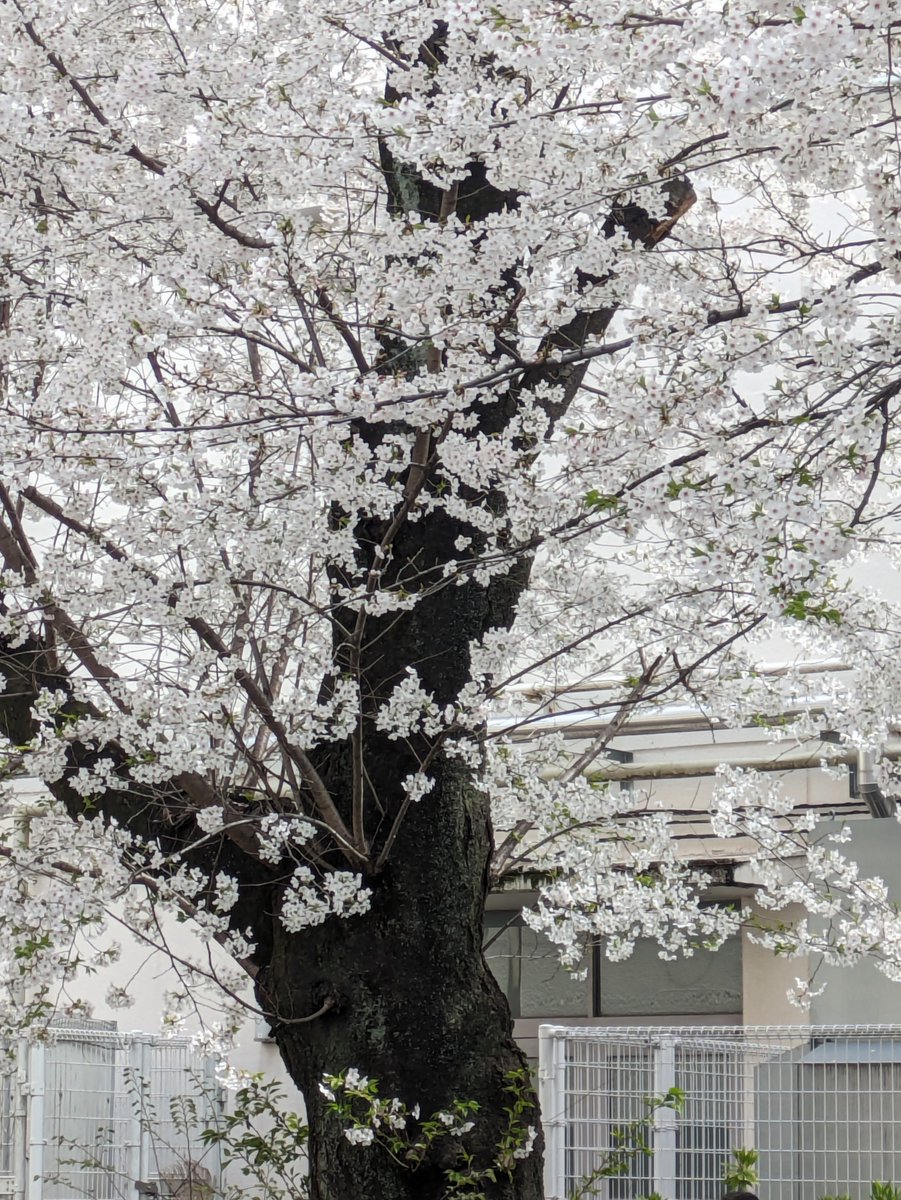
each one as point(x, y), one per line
point(441, 1030)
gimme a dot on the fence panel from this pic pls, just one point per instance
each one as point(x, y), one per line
point(8, 1127)
point(822, 1106)
point(83, 1131)
point(92, 1112)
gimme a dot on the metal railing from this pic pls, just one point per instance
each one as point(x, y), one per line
point(821, 1105)
point(97, 1113)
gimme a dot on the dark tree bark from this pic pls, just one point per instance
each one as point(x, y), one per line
point(415, 1004)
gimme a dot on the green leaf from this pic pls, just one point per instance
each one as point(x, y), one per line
point(597, 500)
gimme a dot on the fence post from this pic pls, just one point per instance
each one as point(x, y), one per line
point(664, 1159)
point(20, 1121)
point(552, 1103)
point(138, 1142)
point(214, 1110)
point(146, 1061)
point(37, 1074)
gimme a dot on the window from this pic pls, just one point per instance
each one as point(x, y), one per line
point(527, 966)
point(646, 985)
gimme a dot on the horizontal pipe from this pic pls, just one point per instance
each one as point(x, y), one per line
point(605, 685)
point(701, 768)
point(574, 727)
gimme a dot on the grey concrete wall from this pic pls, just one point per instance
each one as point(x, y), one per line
point(862, 994)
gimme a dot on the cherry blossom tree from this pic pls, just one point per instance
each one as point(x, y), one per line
point(362, 363)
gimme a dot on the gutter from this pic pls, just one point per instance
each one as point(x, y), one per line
point(863, 783)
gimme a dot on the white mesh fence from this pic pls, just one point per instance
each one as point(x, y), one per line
point(822, 1107)
point(94, 1112)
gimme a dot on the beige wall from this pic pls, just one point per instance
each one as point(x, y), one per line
point(767, 977)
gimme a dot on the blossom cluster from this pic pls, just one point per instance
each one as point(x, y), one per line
point(253, 372)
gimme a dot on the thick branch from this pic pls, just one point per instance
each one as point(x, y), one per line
point(208, 636)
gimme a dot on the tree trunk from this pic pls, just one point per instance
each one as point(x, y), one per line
point(413, 1004)
point(402, 993)
point(415, 1008)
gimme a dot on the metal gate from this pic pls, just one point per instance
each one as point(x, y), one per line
point(821, 1105)
point(94, 1113)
